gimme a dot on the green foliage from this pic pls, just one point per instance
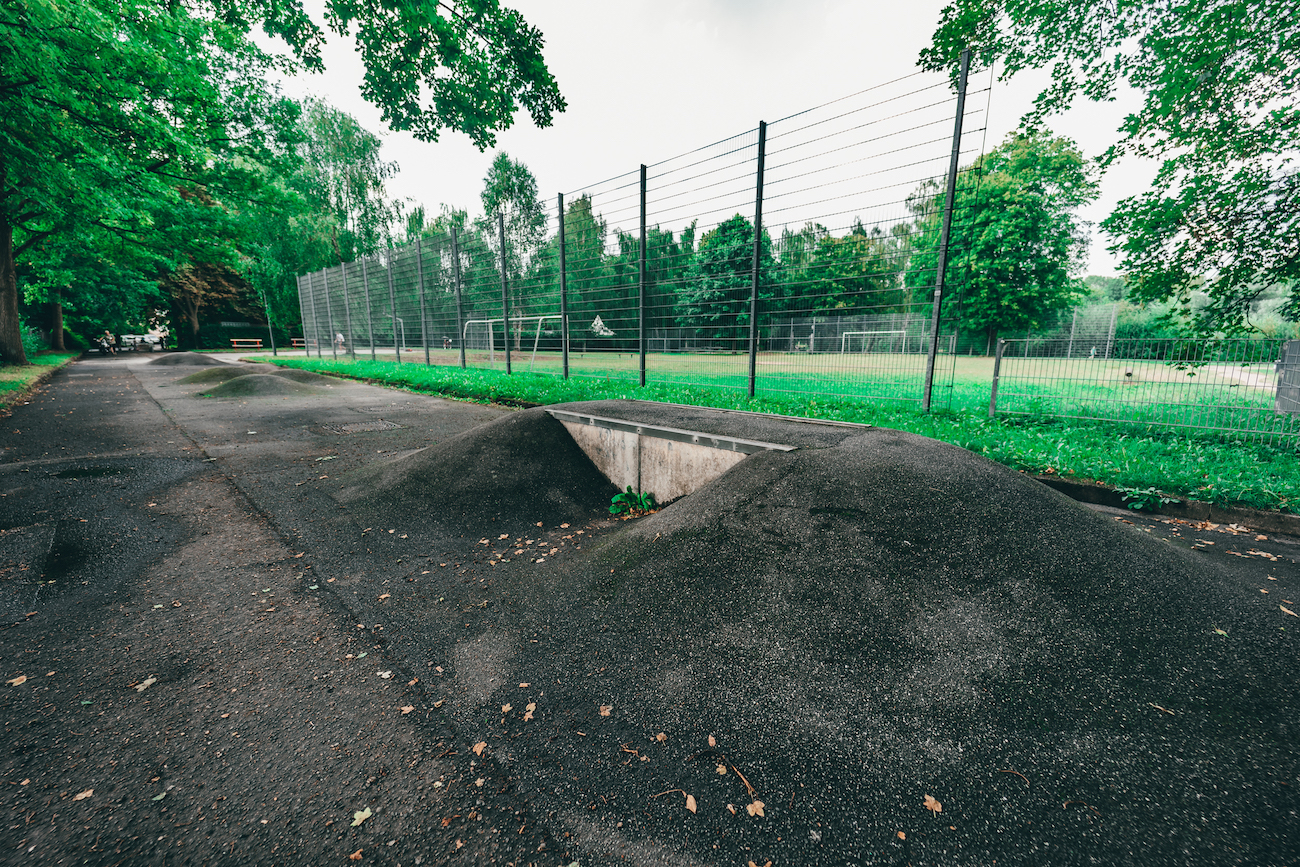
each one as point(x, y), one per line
point(1015, 239)
point(629, 502)
point(1218, 80)
point(1145, 498)
point(715, 298)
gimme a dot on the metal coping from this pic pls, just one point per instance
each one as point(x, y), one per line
point(714, 441)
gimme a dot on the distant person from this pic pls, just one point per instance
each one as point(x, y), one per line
point(107, 343)
point(1093, 354)
point(446, 343)
point(338, 341)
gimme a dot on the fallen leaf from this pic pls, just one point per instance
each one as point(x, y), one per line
point(146, 683)
point(360, 816)
point(386, 675)
point(690, 803)
point(732, 808)
point(902, 836)
point(756, 808)
point(439, 702)
point(1219, 632)
point(159, 797)
point(528, 710)
point(413, 681)
point(606, 709)
point(25, 782)
point(17, 681)
point(712, 741)
point(661, 737)
point(355, 856)
point(84, 795)
point(932, 805)
point(1286, 610)
point(479, 747)
point(460, 843)
point(385, 595)
point(405, 709)
point(722, 770)
point(479, 782)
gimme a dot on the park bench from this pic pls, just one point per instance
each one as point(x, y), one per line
point(298, 343)
point(246, 343)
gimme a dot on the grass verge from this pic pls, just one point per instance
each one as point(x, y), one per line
point(1221, 471)
point(18, 380)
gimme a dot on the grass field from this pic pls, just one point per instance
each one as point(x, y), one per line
point(17, 379)
point(1221, 470)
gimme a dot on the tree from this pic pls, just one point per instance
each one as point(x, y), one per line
point(121, 116)
point(715, 295)
point(1015, 239)
point(857, 273)
point(509, 189)
point(1219, 80)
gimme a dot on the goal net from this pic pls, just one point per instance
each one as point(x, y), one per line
point(873, 341)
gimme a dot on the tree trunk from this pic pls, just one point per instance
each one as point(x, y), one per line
point(56, 322)
point(11, 337)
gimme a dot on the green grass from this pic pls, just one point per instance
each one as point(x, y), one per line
point(16, 380)
point(1219, 470)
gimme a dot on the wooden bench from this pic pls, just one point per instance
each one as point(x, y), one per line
point(298, 343)
point(246, 343)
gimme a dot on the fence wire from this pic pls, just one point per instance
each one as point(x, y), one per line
point(658, 275)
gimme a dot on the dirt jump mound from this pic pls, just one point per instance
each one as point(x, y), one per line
point(186, 359)
point(902, 653)
point(303, 376)
point(214, 375)
point(262, 385)
point(506, 475)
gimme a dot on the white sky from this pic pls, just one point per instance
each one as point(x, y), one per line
point(649, 79)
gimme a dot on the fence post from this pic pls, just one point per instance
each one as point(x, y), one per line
point(945, 231)
point(641, 267)
point(997, 371)
point(392, 308)
point(370, 321)
point(315, 322)
point(460, 312)
point(505, 292)
point(329, 314)
point(564, 296)
point(1074, 320)
point(1110, 332)
point(419, 275)
point(758, 249)
point(347, 313)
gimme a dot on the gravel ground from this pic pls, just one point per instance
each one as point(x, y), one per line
point(876, 649)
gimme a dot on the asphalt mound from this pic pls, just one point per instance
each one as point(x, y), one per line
point(506, 475)
point(186, 359)
point(304, 376)
point(207, 376)
point(262, 385)
point(889, 618)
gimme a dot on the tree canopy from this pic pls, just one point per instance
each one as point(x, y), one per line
point(147, 131)
point(1220, 86)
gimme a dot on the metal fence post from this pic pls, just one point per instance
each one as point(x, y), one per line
point(419, 275)
point(641, 287)
point(392, 308)
point(505, 291)
point(997, 371)
point(329, 314)
point(564, 296)
point(758, 250)
point(460, 310)
point(347, 313)
point(370, 321)
point(942, 265)
point(315, 322)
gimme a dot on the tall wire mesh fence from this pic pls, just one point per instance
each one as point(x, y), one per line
point(799, 258)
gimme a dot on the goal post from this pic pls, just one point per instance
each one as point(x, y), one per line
point(873, 341)
point(489, 334)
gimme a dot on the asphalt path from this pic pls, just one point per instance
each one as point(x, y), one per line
point(357, 621)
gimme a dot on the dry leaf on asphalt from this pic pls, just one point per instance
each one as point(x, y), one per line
point(146, 683)
point(385, 595)
point(1286, 610)
point(83, 795)
point(355, 856)
point(932, 805)
point(690, 803)
point(902, 836)
point(756, 808)
point(528, 710)
point(722, 770)
point(661, 737)
point(17, 681)
point(506, 708)
point(479, 747)
point(712, 741)
point(360, 816)
point(605, 709)
point(407, 708)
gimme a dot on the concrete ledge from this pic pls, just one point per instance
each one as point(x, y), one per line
point(1101, 495)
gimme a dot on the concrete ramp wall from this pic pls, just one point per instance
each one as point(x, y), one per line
point(668, 462)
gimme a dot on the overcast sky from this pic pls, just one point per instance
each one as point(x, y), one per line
point(649, 79)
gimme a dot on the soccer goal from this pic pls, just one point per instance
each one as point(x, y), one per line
point(873, 341)
point(488, 335)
